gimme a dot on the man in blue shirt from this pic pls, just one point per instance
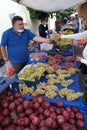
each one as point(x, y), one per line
point(14, 43)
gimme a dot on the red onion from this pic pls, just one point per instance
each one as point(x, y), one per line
point(35, 120)
point(52, 108)
point(58, 111)
point(72, 121)
point(20, 127)
point(29, 111)
point(60, 103)
point(41, 116)
point(26, 121)
point(46, 105)
point(33, 127)
point(47, 113)
point(42, 123)
point(79, 115)
point(11, 98)
point(20, 99)
point(20, 108)
point(74, 128)
point(66, 115)
point(5, 103)
point(11, 127)
point(9, 93)
point(72, 114)
point(75, 109)
point(5, 112)
point(17, 95)
point(48, 122)
point(1, 118)
point(68, 109)
point(1, 128)
point(26, 104)
point(40, 99)
point(35, 94)
point(36, 105)
point(16, 102)
point(54, 124)
point(27, 128)
point(53, 115)
point(12, 106)
point(66, 126)
point(44, 128)
point(80, 123)
point(20, 121)
point(41, 109)
point(34, 99)
point(60, 119)
point(21, 114)
point(7, 121)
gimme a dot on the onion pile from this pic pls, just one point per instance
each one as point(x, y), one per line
point(17, 113)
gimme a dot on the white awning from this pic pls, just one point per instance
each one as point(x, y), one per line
point(49, 5)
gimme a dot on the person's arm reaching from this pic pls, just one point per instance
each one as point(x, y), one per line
point(41, 39)
point(81, 59)
point(78, 36)
point(84, 61)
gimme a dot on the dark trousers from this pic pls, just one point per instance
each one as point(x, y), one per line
point(19, 66)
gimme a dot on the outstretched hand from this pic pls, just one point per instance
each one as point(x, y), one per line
point(48, 40)
point(78, 58)
point(57, 35)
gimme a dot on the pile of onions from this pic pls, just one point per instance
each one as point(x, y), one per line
point(17, 113)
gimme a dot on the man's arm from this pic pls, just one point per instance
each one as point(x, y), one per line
point(41, 39)
point(4, 54)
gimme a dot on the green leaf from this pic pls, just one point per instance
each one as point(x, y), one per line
point(34, 14)
point(13, 116)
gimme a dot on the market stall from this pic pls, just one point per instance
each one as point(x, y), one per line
point(46, 93)
point(54, 83)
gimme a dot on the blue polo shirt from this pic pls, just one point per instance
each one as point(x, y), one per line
point(17, 45)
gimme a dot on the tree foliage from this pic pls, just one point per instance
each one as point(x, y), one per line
point(34, 14)
point(65, 13)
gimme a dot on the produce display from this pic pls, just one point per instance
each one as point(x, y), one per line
point(63, 42)
point(49, 91)
point(66, 32)
point(82, 42)
point(40, 56)
point(25, 90)
point(69, 94)
point(17, 113)
point(49, 88)
point(57, 60)
point(49, 96)
point(54, 77)
point(31, 71)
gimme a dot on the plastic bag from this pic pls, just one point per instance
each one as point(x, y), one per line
point(9, 69)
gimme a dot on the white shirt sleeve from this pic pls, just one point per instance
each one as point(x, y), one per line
point(78, 36)
point(84, 61)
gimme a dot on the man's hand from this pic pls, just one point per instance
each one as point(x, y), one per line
point(57, 35)
point(5, 58)
point(42, 39)
point(48, 40)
